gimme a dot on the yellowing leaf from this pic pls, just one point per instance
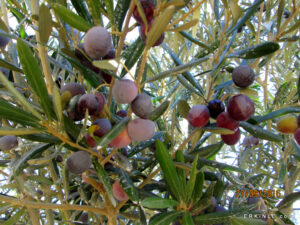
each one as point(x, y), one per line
point(18, 131)
point(110, 64)
point(183, 108)
point(196, 138)
point(217, 130)
point(185, 26)
point(45, 23)
point(3, 26)
point(57, 103)
point(248, 91)
point(196, 15)
point(235, 10)
point(175, 3)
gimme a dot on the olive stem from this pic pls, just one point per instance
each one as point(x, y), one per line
point(65, 140)
point(185, 15)
point(37, 205)
point(120, 46)
point(149, 177)
point(186, 140)
point(142, 68)
point(107, 158)
point(58, 188)
point(281, 32)
point(259, 22)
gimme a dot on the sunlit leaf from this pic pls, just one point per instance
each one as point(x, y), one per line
point(110, 64)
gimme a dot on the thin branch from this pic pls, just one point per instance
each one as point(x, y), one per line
point(36, 205)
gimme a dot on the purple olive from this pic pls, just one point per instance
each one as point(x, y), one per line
point(8, 142)
point(88, 102)
point(97, 42)
point(73, 88)
point(79, 162)
point(142, 105)
point(104, 127)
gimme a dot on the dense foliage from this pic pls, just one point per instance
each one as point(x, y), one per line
point(149, 112)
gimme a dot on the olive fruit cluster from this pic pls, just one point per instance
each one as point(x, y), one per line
point(80, 101)
point(140, 129)
point(149, 12)
point(290, 124)
point(198, 115)
point(239, 108)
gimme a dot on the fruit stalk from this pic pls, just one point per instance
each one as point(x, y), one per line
point(65, 140)
point(185, 15)
point(281, 32)
point(142, 68)
point(97, 186)
point(259, 22)
point(107, 158)
point(33, 214)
